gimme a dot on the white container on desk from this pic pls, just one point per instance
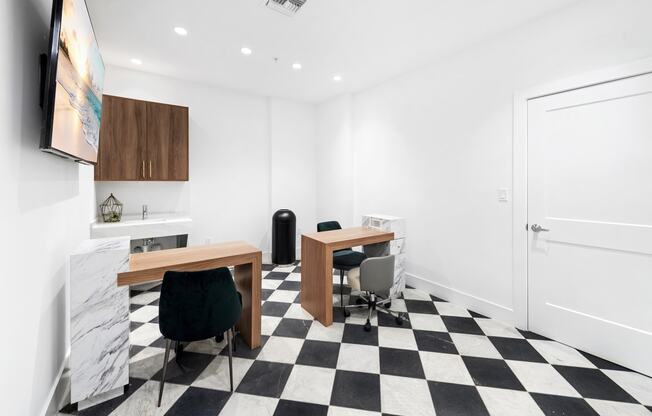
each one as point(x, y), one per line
point(396, 246)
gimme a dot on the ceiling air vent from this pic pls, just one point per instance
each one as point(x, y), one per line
point(287, 7)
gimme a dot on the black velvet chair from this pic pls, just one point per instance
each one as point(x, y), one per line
point(343, 260)
point(195, 306)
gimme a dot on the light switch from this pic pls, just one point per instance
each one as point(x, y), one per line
point(502, 194)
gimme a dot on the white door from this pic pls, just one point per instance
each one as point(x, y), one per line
point(590, 190)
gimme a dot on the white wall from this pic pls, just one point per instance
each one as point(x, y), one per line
point(293, 156)
point(249, 155)
point(335, 161)
point(45, 209)
point(435, 144)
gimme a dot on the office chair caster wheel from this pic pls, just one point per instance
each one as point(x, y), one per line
point(399, 321)
point(367, 326)
point(388, 305)
point(219, 338)
point(347, 313)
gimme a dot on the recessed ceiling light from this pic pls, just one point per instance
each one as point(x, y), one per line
point(180, 31)
point(337, 78)
point(296, 66)
point(136, 61)
point(246, 51)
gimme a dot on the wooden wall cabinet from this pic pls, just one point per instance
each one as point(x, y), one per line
point(142, 141)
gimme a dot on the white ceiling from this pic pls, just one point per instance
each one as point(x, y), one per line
point(366, 41)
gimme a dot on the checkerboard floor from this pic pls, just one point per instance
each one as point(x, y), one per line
point(445, 361)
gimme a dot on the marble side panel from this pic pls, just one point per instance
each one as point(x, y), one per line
point(397, 246)
point(399, 275)
point(99, 314)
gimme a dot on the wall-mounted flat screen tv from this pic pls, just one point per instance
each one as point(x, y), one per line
point(73, 84)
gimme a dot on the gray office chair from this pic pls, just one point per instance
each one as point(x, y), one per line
point(375, 275)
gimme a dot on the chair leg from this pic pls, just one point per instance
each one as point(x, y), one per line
point(168, 343)
point(372, 306)
point(398, 316)
point(228, 341)
point(178, 351)
point(233, 331)
point(341, 288)
point(346, 313)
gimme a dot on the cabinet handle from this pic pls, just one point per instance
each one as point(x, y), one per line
point(143, 169)
point(150, 169)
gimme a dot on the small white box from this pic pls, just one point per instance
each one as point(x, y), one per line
point(385, 223)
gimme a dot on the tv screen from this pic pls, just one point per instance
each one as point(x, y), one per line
point(74, 81)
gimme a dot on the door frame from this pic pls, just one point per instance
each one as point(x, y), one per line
point(520, 163)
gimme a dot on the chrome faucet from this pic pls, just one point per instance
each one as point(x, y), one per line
point(145, 212)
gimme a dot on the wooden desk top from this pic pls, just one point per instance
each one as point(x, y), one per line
point(150, 266)
point(351, 237)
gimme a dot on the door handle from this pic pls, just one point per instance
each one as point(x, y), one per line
point(537, 228)
point(150, 169)
point(143, 169)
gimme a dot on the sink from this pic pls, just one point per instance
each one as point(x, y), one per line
point(139, 220)
point(155, 225)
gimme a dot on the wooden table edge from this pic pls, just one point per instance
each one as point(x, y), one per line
point(130, 277)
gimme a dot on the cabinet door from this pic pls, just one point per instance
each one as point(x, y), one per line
point(122, 140)
point(167, 142)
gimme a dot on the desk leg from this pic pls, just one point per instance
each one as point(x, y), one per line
point(317, 280)
point(248, 279)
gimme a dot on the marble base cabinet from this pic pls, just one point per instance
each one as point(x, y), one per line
point(396, 246)
point(99, 315)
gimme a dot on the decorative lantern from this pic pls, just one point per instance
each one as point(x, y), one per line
point(111, 209)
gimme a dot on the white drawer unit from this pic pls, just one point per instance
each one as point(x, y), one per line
point(396, 246)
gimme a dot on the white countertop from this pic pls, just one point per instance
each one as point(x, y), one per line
point(156, 225)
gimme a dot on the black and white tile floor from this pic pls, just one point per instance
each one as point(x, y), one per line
point(445, 361)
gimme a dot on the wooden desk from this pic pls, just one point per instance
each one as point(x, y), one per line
point(247, 263)
point(317, 265)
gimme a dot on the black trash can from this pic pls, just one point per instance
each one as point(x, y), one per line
point(284, 229)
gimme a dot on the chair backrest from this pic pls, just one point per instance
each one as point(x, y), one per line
point(198, 305)
point(377, 274)
point(328, 226)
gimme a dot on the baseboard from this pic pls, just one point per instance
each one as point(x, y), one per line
point(59, 391)
point(471, 302)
